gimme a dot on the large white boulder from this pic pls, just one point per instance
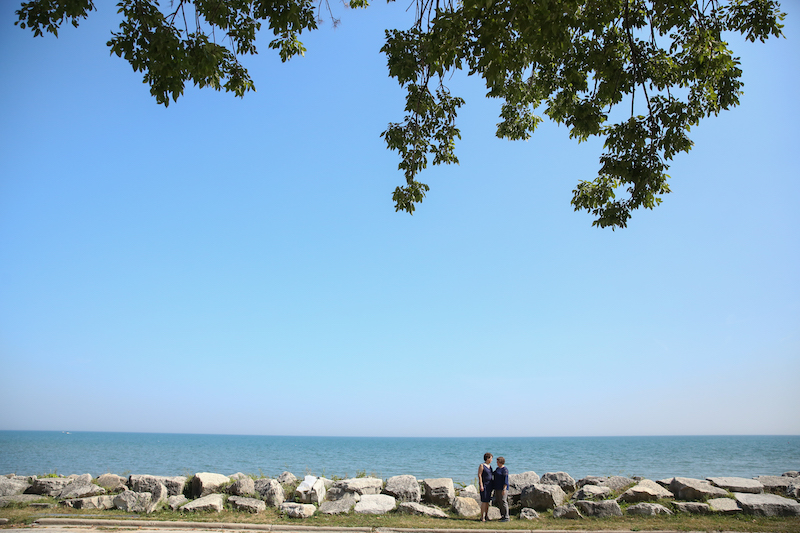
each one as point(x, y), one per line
point(466, 507)
point(644, 491)
point(271, 491)
point(404, 488)
point(205, 483)
point(375, 504)
point(421, 510)
point(542, 497)
point(737, 484)
point(439, 491)
point(767, 504)
point(211, 502)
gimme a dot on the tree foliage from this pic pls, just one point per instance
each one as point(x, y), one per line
point(637, 73)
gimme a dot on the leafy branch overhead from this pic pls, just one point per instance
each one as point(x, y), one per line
point(660, 65)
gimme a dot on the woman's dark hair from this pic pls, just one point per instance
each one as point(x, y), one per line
point(487, 455)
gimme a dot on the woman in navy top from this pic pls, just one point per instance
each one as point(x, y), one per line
point(485, 484)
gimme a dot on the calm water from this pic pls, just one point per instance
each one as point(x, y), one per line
point(39, 452)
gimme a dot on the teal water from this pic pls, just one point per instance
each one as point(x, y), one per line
point(40, 452)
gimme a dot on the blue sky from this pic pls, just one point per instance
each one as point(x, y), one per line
point(236, 265)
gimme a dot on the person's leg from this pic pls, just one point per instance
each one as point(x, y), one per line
point(503, 505)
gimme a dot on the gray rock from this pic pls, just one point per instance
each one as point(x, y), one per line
point(93, 502)
point(737, 484)
point(645, 490)
point(360, 485)
point(542, 497)
point(134, 502)
point(775, 484)
point(592, 492)
point(439, 491)
point(80, 478)
point(26, 499)
point(375, 504)
point(48, 486)
point(767, 504)
point(176, 502)
point(567, 511)
point(340, 506)
point(210, 502)
point(301, 492)
point(519, 482)
point(599, 509)
point(112, 482)
point(287, 478)
point(420, 510)
point(694, 489)
point(249, 505)
point(297, 510)
point(724, 505)
point(647, 509)
point(617, 483)
point(528, 514)
point(146, 483)
point(243, 487)
point(270, 491)
point(794, 490)
point(562, 479)
point(692, 507)
point(11, 487)
point(791, 473)
point(470, 491)
point(205, 483)
point(404, 488)
point(80, 489)
point(238, 476)
point(494, 513)
point(466, 507)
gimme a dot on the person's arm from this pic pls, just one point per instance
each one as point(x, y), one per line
point(507, 477)
point(480, 477)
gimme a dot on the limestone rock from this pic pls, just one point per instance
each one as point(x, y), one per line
point(10, 487)
point(692, 507)
point(311, 490)
point(134, 502)
point(92, 502)
point(112, 482)
point(297, 510)
point(466, 507)
point(599, 509)
point(542, 497)
point(205, 483)
point(439, 491)
point(146, 483)
point(287, 478)
point(404, 488)
point(80, 489)
point(528, 514)
point(26, 499)
point(519, 482)
point(339, 506)
point(592, 492)
point(694, 489)
point(737, 484)
point(238, 476)
point(767, 504)
point(494, 513)
point(48, 486)
point(791, 473)
point(647, 509)
point(724, 505)
point(210, 502)
point(420, 510)
point(562, 479)
point(270, 491)
point(250, 505)
point(375, 504)
point(470, 491)
point(243, 487)
point(360, 485)
point(80, 478)
point(176, 502)
point(567, 511)
point(775, 484)
point(645, 490)
point(794, 490)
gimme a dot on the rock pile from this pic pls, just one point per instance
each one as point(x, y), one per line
point(529, 494)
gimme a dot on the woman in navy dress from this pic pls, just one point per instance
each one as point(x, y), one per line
point(485, 485)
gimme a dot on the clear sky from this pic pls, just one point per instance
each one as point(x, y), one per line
point(236, 265)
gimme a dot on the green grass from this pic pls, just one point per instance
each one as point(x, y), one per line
point(19, 515)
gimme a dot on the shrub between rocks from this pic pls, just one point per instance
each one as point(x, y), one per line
point(529, 493)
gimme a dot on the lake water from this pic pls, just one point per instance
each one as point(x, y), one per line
point(41, 452)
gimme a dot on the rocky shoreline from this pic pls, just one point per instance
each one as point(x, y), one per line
point(529, 495)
